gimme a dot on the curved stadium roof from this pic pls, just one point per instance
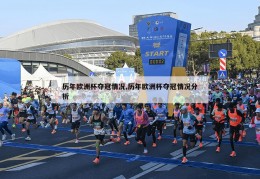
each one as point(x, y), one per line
point(56, 33)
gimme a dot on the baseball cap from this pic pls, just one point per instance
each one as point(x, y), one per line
point(184, 108)
point(96, 108)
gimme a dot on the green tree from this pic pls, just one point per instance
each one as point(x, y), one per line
point(118, 59)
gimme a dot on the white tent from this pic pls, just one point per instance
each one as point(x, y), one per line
point(45, 77)
point(96, 69)
point(26, 76)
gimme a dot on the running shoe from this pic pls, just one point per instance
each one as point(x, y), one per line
point(218, 149)
point(13, 126)
point(48, 125)
point(244, 134)
point(28, 138)
point(3, 137)
point(118, 139)
point(127, 143)
point(96, 161)
point(76, 141)
point(233, 154)
point(113, 133)
point(13, 136)
point(174, 141)
point(145, 151)
point(140, 142)
point(184, 160)
point(42, 124)
point(23, 130)
point(154, 145)
point(201, 145)
point(53, 131)
point(159, 137)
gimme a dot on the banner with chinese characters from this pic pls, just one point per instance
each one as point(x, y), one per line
point(10, 76)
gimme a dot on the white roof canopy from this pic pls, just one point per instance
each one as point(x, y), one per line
point(26, 76)
point(42, 73)
point(96, 69)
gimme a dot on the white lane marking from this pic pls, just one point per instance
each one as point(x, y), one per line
point(147, 171)
point(66, 155)
point(189, 152)
point(120, 177)
point(148, 165)
point(25, 166)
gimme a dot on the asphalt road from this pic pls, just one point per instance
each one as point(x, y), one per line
point(57, 156)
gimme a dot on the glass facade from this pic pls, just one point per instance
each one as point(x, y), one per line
point(53, 68)
point(92, 43)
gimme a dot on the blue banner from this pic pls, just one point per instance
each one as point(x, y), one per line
point(10, 76)
point(164, 43)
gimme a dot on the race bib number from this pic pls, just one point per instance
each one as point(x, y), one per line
point(233, 119)
point(99, 131)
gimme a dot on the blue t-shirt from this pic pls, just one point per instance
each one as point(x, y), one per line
point(4, 114)
point(161, 113)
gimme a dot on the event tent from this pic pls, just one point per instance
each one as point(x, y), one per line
point(45, 77)
point(26, 76)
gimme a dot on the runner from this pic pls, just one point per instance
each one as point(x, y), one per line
point(153, 123)
point(49, 110)
point(14, 112)
point(177, 122)
point(142, 123)
point(242, 108)
point(98, 120)
point(30, 118)
point(22, 113)
point(117, 113)
point(255, 122)
point(189, 131)
point(235, 117)
point(127, 117)
point(76, 116)
point(4, 111)
point(162, 114)
point(200, 124)
point(219, 116)
point(112, 121)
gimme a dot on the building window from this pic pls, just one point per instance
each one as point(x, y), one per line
point(53, 68)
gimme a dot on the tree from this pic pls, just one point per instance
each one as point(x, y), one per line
point(118, 59)
point(68, 56)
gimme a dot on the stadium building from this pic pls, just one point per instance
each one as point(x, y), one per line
point(61, 46)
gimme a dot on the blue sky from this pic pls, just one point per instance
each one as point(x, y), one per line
point(217, 15)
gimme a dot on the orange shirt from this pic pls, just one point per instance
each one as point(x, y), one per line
point(234, 118)
point(190, 109)
point(201, 107)
point(219, 116)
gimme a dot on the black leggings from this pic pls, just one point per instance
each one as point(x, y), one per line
point(151, 131)
point(234, 135)
point(112, 124)
point(160, 125)
point(3, 126)
point(140, 135)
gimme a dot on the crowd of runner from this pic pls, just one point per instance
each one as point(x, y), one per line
point(231, 105)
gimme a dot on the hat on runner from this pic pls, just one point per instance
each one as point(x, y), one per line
point(148, 104)
point(257, 110)
point(184, 108)
point(96, 108)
